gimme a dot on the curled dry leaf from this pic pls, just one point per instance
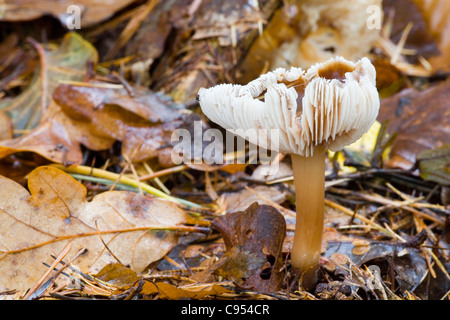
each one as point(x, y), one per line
point(52, 140)
point(144, 122)
point(34, 224)
point(190, 291)
point(68, 62)
point(410, 266)
point(97, 117)
point(15, 61)
point(253, 239)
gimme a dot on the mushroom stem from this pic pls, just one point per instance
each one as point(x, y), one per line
point(309, 183)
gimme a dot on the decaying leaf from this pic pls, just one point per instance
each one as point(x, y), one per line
point(237, 265)
point(210, 41)
point(97, 117)
point(190, 291)
point(114, 225)
point(51, 139)
point(68, 62)
point(253, 239)
point(240, 201)
point(118, 275)
point(409, 264)
point(15, 61)
point(410, 112)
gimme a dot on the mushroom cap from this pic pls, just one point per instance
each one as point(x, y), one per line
point(332, 104)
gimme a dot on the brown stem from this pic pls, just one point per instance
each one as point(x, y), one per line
point(309, 182)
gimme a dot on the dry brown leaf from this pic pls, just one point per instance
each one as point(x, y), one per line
point(50, 139)
point(15, 61)
point(92, 11)
point(97, 117)
point(118, 275)
point(254, 240)
point(68, 62)
point(35, 224)
point(144, 122)
point(239, 201)
point(411, 112)
point(190, 291)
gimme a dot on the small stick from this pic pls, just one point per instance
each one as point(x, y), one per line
point(61, 256)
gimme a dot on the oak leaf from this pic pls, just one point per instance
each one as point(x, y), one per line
point(115, 225)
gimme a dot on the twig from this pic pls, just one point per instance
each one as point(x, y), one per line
point(358, 216)
point(163, 172)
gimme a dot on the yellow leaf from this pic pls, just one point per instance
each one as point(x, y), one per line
point(191, 291)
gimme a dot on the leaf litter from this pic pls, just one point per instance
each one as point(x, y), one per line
point(93, 207)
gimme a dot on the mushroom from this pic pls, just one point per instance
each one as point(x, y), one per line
point(329, 106)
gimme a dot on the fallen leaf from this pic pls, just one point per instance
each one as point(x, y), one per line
point(55, 211)
point(15, 61)
point(190, 291)
point(253, 239)
point(241, 200)
point(144, 122)
point(68, 62)
point(410, 268)
point(411, 111)
point(389, 79)
point(82, 102)
point(118, 275)
point(434, 165)
point(92, 11)
point(50, 139)
point(237, 265)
